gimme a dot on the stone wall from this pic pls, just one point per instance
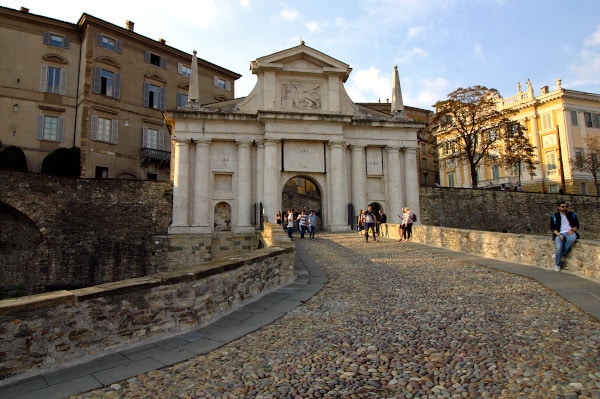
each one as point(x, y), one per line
point(503, 211)
point(63, 233)
point(51, 330)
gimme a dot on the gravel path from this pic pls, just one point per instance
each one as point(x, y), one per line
point(398, 322)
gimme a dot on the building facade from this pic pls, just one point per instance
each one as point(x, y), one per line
point(96, 86)
point(559, 125)
point(236, 161)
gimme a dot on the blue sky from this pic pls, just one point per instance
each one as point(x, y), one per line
point(438, 45)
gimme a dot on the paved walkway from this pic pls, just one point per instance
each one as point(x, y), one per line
point(310, 279)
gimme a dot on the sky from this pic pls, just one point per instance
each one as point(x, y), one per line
point(438, 45)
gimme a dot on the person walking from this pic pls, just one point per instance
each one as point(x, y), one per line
point(290, 223)
point(370, 220)
point(564, 225)
point(302, 223)
point(360, 222)
point(312, 224)
point(383, 228)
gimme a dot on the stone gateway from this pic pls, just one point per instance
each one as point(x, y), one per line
point(235, 160)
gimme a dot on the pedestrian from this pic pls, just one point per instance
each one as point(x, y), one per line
point(564, 225)
point(302, 223)
point(290, 223)
point(411, 218)
point(360, 222)
point(383, 227)
point(312, 224)
point(370, 219)
point(278, 217)
point(403, 225)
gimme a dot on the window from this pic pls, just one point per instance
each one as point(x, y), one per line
point(591, 119)
point(108, 43)
point(101, 172)
point(152, 176)
point(182, 99)
point(104, 129)
point(153, 139)
point(551, 165)
point(578, 158)
point(54, 40)
point(222, 83)
point(107, 83)
point(583, 189)
point(154, 96)
point(495, 172)
point(184, 70)
point(151, 58)
point(574, 118)
point(553, 189)
point(50, 128)
point(450, 179)
point(53, 80)
point(547, 121)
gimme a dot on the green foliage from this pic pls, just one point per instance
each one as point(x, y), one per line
point(63, 162)
point(518, 150)
point(13, 158)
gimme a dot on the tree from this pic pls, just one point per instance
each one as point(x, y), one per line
point(469, 126)
point(63, 162)
point(13, 158)
point(518, 151)
point(589, 161)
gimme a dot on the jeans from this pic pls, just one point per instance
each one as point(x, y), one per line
point(372, 227)
point(562, 247)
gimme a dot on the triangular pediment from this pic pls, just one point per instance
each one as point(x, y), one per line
point(301, 58)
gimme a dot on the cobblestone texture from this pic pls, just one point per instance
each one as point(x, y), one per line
point(398, 322)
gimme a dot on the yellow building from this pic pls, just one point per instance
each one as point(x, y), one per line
point(96, 86)
point(559, 123)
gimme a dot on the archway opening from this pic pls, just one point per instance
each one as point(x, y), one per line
point(302, 193)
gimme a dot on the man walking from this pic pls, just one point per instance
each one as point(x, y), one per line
point(370, 223)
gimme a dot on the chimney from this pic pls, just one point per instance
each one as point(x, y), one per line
point(25, 10)
point(161, 40)
point(129, 25)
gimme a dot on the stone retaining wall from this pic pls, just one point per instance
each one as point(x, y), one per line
point(52, 330)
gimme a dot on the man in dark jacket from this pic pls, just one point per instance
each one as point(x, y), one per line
point(564, 225)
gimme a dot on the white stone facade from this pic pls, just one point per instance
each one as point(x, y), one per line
point(298, 121)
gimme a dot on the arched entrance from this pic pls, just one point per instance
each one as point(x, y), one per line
point(300, 193)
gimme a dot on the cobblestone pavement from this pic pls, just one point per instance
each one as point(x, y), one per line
point(395, 321)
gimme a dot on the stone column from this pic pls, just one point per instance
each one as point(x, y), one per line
point(359, 177)
point(411, 180)
point(260, 175)
point(394, 190)
point(202, 187)
point(181, 184)
point(337, 192)
point(271, 189)
point(244, 189)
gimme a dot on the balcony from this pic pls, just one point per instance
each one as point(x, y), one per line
point(151, 155)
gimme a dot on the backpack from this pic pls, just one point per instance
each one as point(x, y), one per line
point(414, 217)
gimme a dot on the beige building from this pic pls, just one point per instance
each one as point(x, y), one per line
point(559, 123)
point(96, 86)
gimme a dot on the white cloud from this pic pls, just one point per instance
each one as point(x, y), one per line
point(410, 55)
point(479, 53)
point(415, 32)
point(430, 92)
point(594, 39)
point(312, 26)
point(368, 85)
point(289, 15)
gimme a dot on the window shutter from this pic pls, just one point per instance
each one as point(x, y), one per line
point(227, 85)
point(114, 136)
point(44, 79)
point(144, 137)
point(39, 134)
point(180, 68)
point(98, 39)
point(163, 62)
point(163, 96)
point(119, 46)
point(66, 42)
point(146, 56)
point(97, 80)
point(146, 97)
point(117, 92)
point(216, 81)
point(60, 137)
point(46, 38)
point(63, 81)
point(161, 140)
point(94, 128)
